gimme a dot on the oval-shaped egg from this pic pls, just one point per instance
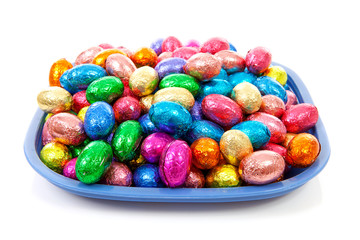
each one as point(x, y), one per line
point(76, 150)
point(302, 150)
point(240, 77)
point(221, 110)
point(288, 138)
point(101, 57)
point(261, 167)
point(258, 133)
point(277, 73)
point(67, 128)
point(204, 129)
point(118, 174)
point(106, 46)
point(147, 175)
point(120, 66)
point(54, 100)
point(170, 44)
point(258, 60)
point(143, 81)
point(214, 45)
point(88, 55)
point(195, 179)
point(170, 66)
point(126, 140)
point(247, 96)
point(153, 145)
point(55, 155)
point(79, 77)
point(235, 145)
point(99, 120)
point(156, 46)
point(180, 80)
point(79, 101)
point(223, 176)
point(222, 75)
point(205, 153)
point(147, 125)
point(196, 112)
point(57, 69)
point(106, 89)
point(171, 118)
point(178, 95)
point(185, 52)
point(164, 55)
point(146, 102)
point(215, 86)
point(275, 148)
point(291, 99)
point(231, 61)
point(174, 164)
point(144, 56)
point(126, 108)
point(275, 125)
point(272, 105)
point(45, 135)
point(93, 161)
point(193, 43)
point(69, 169)
point(269, 86)
point(127, 91)
point(300, 118)
point(203, 66)
point(82, 113)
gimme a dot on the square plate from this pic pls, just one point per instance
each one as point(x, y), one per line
point(297, 177)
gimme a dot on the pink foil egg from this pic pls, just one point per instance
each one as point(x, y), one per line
point(69, 169)
point(291, 99)
point(118, 174)
point(193, 43)
point(195, 179)
point(275, 125)
point(120, 66)
point(272, 105)
point(275, 148)
point(214, 45)
point(261, 167)
point(153, 145)
point(231, 61)
point(128, 52)
point(88, 55)
point(164, 55)
point(203, 66)
point(300, 118)
point(258, 60)
point(45, 135)
point(185, 52)
point(79, 101)
point(174, 164)
point(170, 44)
point(106, 46)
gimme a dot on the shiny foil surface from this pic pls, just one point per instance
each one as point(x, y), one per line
point(120, 66)
point(235, 145)
point(261, 167)
point(145, 103)
point(170, 44)
point(118, 174)
point(231, 61)
point(126, 108)
point(88, 55)
point(275, 148)
point(240, 77)
point(147, 175)
point(144, 57)
point(185, 52)
point(164, 55)
point(147, 125)
point(193, 43)
point(223, 176)
point(272, 105)
point(127, 91)
point(106, 89)
point(288, 138)
point(195, 179)
point(69, 169)
point(101, 57)
point(214, 86)
point(156, 46)
point(258, 133)
point(170, 66)
point(222, 75)
point(204, 129)
point(196, 112)
point(136, 162)
point(291, 99)
point(106, 46)
point(205, 153)
point(143, 81)
point(300, 118)
point(174, 164)
point(269, 86)
point(178, 95)
point(247, 96)
point(203, 66)
point(82, 113)
point(277, 73)
point(55, 155)
point(76, 150)
point(180, 80)
point(258, 60)
point(214, 45)
point(153, 145)
point(54, 100)
point(57, 69)
point(79, 101)
point(45, 135)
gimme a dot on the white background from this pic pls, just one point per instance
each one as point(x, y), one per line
point(318, 40)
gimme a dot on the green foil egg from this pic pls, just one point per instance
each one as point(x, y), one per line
point(181, 80)
point(93, 161)
point(106, 89)
point(126, 140)
point(76, 150)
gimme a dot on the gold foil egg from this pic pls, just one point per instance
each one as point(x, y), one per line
point(54, 100)
point(146, 102)
point(277, 73)
point(247, 96)
point(143, 81)
point(55, 155)
point(235, 145)
point(178, 95)
point(57, 69)
point(223, 176)
point(101, 57)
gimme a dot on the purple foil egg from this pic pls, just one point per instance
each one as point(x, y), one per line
point(170, 66)
point(118, 174)
point(69, 169)
point(196, 112)
point(153, 145)
point(291, 99)
point(156, 45)
point(175, 163)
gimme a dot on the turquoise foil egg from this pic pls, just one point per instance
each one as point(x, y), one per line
point(240, 77)
point(204, 129)
point(222, 75)
point(215, 86)
point(269, 86)
point(258, 133)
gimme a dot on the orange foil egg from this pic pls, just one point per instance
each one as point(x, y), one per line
point(144, 57)
point(56, 70)
point(101, 57)
point(205, 153)
point(288, 138)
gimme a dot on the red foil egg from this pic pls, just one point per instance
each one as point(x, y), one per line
point(300, 118)
point(231, 61)
point(203, 66)
point(126, 108)
point(127, 91)
point(88, 55)
point(214, 45)
point(185, 52)
point(275, 148)
point(170, 44)
point(258, 60)
point(195, 179)
point(79, 101)
point(272, 105)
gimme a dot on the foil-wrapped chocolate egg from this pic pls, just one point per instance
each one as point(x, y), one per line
point(170, 44)
point(126, 108)
point(222, 75)
point(79, 101)
point(302, 150)
point(106, 46)
point(261, 167)
point(55, 155)
point(171, 118)
point(118, 174)
point(235, 145)
point(221, 110)
point(147, 175)
point(269, 86)
point(203, 66)
point(69, 169)
point(258, 133)
point(54, 100)
point(67, 128)
point(81, 114)
point(57, 69)
point(127, 91)
point(275, 125)
point(300, 118)
point(143, 81)
point(291, 99)
point(214, 86)
point(156, 46)
point(170, 66)
point(76, 150)
point(231, 61)
point(204, 129)
point(178, 95)
point(196, 112)
point(185, 52)
point(214, 45)
point(45, 135)
point(180, 80)
point(88, 55)
point(120, 66)
point(193, 43)
point(126, 140)
point(138, 161)
point(277, 73)
point(106, 89)
point(99, 120)
point(93, 161)
point(205, 153)
point(232, 47)
point(144, 56)
point(275, 148)
point(147, 125)
point(288, 138)
point(128, 52)
point(174, 164)
point(258, 60)
point(272, 105)
point(195, 179)
point(223, 176)
point(240, 77)
point(247, 96)
point(146, 102)
point(101, 57)
point(164, 55)
point(153, 145)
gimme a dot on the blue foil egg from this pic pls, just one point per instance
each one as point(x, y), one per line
point(236, 78)
point(156, 46)
point(147, 125)
point(269, 86)
point(196, 112)
point(204, 128)
point(287, 87)
point(79, 77)
point(258, 133)
point(232, 47)
point(171, 118)
point(215, 86)
point(170, 66)
point(99, 120)
point(222, 75)
point(147, 175)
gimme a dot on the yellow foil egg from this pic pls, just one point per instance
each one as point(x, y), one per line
point(82, 112)
point(143, 81)
point(100, 58)
point(57, 69)
point(55, 155)
point(145, 103)
point(54, 100)
point(235, 145)
point(178, 95)
point(277, 73)
point(247, 96)
point(223, 176)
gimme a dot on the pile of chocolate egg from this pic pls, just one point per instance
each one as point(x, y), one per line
point(173, 115)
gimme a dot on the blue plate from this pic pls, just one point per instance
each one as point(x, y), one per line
point(296, 178)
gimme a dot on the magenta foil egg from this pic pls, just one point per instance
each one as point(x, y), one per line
point(291, 99)
point(174, 164)
point(232, 62)
point(300, 118)
point(88, 55)
point(272, 105)
point(258, 60)
point(275, 148)
point(120, 66)
point(195, 179)
point(153, 145)
point(118, 174)
point(69, 169)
